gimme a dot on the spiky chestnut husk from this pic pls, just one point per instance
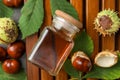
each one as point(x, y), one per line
point(106, 58)
point(112, 22)
point(8, 31)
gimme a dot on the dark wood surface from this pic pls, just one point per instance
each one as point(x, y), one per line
point(87, 10)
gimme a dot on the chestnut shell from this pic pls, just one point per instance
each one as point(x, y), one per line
point(11, 66)
point(106, 58)
point(16, 49)
point(81, 62)
point(3, 53)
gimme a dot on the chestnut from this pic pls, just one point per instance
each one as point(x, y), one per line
point(81, 62)
point(16, 49)
point(13, 3)
point(3, 53)
point(11, 66)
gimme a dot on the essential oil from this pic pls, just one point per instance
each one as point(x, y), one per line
point(55, 43)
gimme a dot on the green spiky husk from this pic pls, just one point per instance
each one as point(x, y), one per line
point(8, 31)
point(115, 19)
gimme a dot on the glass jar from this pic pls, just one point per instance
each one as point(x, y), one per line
point(55, 43)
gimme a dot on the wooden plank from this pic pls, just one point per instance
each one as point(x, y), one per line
point(118, 34)
point(108, 4)
point(92, 8)
point(78, 5)
point(32, 70)
point(62, 75)
point(45, 76)
point(108, 42)
point(47, 21)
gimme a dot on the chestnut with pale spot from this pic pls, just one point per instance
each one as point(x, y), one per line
point(81, 62)
point(16, 49)
point(11, 66)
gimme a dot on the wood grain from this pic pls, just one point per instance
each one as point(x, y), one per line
point(118, 34)
point(62, 75)
point(108, 42)
point(117, 37)
point(92, 8)
point(32, 70)
point(47, 21)
point(78, 5)
point(108, 4)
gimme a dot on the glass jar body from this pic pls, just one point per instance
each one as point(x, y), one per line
point(54, 45)
point(51, 51)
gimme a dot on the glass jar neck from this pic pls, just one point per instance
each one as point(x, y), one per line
point(64, 28)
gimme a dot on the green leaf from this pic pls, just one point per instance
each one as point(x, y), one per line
point(83, 42)
point(32, 15)
point(111, 73)
point(5, 11)
point(64, 6)
point(18, 76)
point(70, 70)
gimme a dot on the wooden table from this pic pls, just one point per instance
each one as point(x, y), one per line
point(87, 10)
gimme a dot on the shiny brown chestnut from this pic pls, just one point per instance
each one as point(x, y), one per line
point(3, 53)
point(11, 66)
point(81, 62)
point(16, 49)
point(13, 3)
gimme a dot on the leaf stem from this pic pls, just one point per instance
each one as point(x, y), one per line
point(80, 75)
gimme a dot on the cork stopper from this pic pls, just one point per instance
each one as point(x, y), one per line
point(69, 18)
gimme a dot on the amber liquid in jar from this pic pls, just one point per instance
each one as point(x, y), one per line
point(55, 44)
point(52, 52)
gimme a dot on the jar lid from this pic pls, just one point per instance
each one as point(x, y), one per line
point(69, 18)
